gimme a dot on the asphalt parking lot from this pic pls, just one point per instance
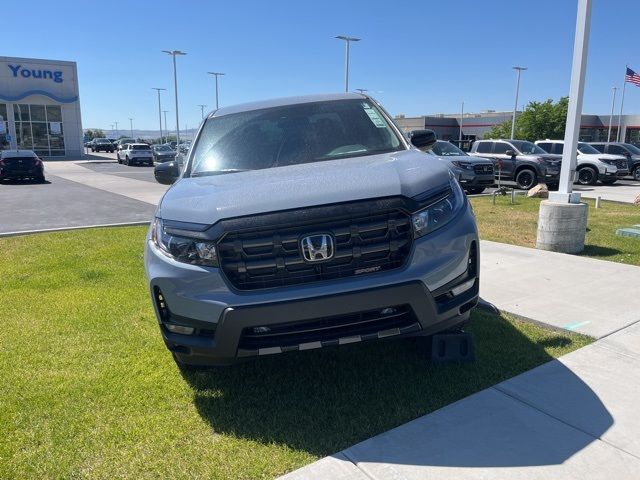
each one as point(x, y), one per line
point(63, 202)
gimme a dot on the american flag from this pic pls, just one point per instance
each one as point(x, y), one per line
point(632, 77)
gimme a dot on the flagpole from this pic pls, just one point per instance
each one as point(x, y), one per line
point(624, 86)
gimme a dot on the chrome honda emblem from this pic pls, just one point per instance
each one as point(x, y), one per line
point(317, 248)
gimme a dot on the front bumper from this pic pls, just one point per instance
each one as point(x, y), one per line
point(552, 176)
point(468, 178)
point(200, 298)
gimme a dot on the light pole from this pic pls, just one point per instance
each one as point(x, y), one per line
point(361, 90)
point(347, 41)
point(165, 124)
point(173, 54)
point(159, 110)
point(131, 125)
point(117, 133)
point(113, 132)
point(461, 119)
point(202, 110)
point(515, 106)
point(613, 104)
point(216, 74)
point(562, 221)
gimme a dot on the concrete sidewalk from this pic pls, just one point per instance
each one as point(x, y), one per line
point(618, 192)
point(572, 418)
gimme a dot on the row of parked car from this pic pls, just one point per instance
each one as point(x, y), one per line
point(529, 163)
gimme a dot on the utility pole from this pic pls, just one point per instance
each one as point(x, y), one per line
point(613, 104)
point(165, 124)
point(159, 111)
point(131, 125)
point(216, 74)
point(117, 133)
point(202, 110)
point(515, 106)
point(347, 41)
point(461, 120)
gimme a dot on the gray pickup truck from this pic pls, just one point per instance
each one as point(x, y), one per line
point(303, 223)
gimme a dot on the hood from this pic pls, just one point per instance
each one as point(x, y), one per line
point(608, 156)
point(464, 158)
point(206, 200)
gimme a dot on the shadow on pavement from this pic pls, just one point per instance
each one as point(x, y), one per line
point(323, 401)
point(23, 182)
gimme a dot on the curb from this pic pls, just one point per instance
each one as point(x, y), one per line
point(64, 229)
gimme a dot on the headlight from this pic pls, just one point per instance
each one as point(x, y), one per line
point(464, 165)
point(188, 250)
point(440, 213)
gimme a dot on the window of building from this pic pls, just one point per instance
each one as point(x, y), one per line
point(39, 128)
point(4, 127)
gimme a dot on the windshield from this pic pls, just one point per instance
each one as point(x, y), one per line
point(102, 140)
point(632, 148)
point(587, 149)
point(291, 135)
point(140, 147)
point(447, 149)
point(528, 148)
point(162, 148)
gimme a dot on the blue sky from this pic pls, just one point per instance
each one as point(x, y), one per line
point(423, 56)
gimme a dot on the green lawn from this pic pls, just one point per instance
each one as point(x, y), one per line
point(517, 224)
point(87, 389)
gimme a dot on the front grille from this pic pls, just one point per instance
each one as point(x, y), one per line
point(326, 331)
point(483, 169)
point(271, 257)
point(622, 164)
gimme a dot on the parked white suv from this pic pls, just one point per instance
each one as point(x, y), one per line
point(133, 153)
point(591, 165)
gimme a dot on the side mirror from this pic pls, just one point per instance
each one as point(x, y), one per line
point(167, 173)
point(423, 139)
point(511, 153)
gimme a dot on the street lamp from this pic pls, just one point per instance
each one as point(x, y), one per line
point(131, 125)
point(117, 133)
point(159, 111)
point(461, 120)
point(613, 104)
point(216, 74)
point(515, 106)
point(173, 54)
point(164, 112)
point(347, 41)
point(361, 90)
point(202, 110)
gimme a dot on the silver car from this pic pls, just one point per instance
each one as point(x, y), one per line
point(303, 223)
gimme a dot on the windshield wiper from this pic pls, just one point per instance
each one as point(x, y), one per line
point(219, 172)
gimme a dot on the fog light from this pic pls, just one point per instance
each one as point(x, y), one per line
point(463, 287)
point(179, 329)
point(387, 311)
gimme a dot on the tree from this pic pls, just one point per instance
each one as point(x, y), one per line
point(91, 134)
point(538, 121)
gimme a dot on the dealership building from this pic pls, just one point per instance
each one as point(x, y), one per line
point(40, 107)
point(474, 126)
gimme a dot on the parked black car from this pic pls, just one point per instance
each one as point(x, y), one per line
point(629, 151)
point(520, 161)
point(163, 153)
point(102, 145)
point(21, 164)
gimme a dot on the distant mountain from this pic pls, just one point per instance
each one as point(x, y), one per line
point(147, 134)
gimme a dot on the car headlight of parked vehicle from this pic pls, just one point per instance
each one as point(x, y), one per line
point(463, 165)
point(184, 249)
point(440, 213)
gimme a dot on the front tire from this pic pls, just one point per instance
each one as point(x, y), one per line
point(636, 173)
point(587, 176)
point(126, 160)
point(526, 178)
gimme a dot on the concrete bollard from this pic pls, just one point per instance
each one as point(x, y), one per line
point(562, 226)
point(598, 202)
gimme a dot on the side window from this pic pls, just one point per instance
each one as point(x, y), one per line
point(501, 148)
point(617, 150)
point(598, 146)
point(559, 148)
point(546, 146)
point(484, 147)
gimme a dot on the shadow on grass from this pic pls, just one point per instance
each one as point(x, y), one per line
point(598, 251)
point(325, 400)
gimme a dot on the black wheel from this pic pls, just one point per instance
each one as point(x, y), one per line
point(636, 173)
point(475, 190)
point(526, 178)
point(126, 160)
point(118, 157)
point(609, 181)
point(40, 179)
point(587, 176)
